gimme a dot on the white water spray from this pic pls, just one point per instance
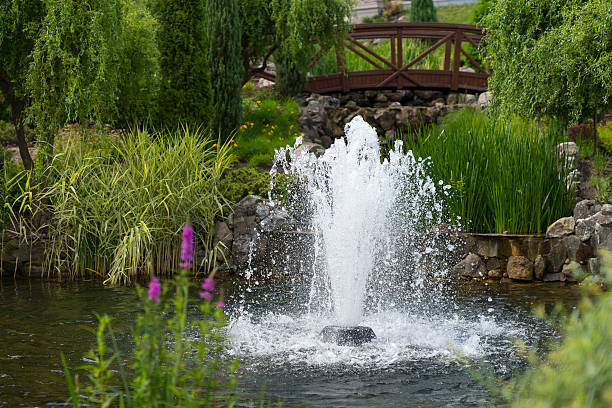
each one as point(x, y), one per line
point(365, 214)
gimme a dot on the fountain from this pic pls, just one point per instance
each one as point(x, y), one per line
point(364, 212)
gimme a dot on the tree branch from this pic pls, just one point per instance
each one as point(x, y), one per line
point(252, 71)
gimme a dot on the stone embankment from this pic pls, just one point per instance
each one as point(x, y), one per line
point(323, 117)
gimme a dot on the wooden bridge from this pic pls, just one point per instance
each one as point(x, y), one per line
point(392, 72)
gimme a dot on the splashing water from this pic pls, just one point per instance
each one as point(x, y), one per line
point(367, 216)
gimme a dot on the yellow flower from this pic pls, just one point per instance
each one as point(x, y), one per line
point(302, 134)
point(232, 141)
point(258, 102)
point(235, 145)
point(215, 145)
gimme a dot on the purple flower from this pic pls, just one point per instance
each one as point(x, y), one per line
point(187, 247)
point(220, 304)
point(154, 290)
point(205, 295)
point(209, 284)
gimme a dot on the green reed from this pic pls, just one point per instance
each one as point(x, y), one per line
point(505, 174)
point(116, 208)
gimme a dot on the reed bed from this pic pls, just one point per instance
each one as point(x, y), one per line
point(505, 174)
point(118, 204)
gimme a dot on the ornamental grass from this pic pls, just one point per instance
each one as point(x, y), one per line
point(117, 205)
point(506, 174)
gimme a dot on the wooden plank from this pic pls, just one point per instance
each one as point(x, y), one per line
point(456, 60)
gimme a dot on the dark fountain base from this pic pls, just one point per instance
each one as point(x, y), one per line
point(347, 336)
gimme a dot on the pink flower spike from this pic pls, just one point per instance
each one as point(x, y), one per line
point(205, 295)
point(154, 290)
point(220, 304)
point(208, 284)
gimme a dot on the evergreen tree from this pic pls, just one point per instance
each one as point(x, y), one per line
point(290, 75)
point(185, 91)
point(422, 11)
point(224, 40)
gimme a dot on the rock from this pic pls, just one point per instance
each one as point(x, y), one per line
point(484, 100)
point(309, 147)
point(573, 272)
point(395, 105)
point(352, 105)
point(567, 149)
point(493, 263)
point(452, 99)
point(603, 219)
point(247, 206)
point(572, 243)
point(554, 277)
point(593, 266)
point(585, 228)
point(495, 274)
point(606, 209)
point(329, 102)
point(539, 267)
point(223, 235)
point(585, 209)
point(561, 227)
point(557, 255)
point(469, 99)
point(381, 98)
point(603, 237)
point(520, 268)
point(471, 267)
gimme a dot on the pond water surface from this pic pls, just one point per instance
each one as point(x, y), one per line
point(416, 359)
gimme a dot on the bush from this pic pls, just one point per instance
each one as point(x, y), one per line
point(505, 174)
point(480, 11)
point(578, 372)
point(186, 94)
point(117, 203)
point(268, 124)
point(239, 183)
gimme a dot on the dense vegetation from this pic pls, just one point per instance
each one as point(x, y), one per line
point(504, 173)
point(551, 57)
point(422, 11)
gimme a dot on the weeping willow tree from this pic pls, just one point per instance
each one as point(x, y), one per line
point(73, 75)
point(20, 22)
point(292, 26)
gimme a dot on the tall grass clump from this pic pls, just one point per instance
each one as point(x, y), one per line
point(117, 203)
point(506, 175)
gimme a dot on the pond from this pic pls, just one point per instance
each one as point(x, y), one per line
point(415, 360)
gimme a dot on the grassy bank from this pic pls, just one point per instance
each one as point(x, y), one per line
point(505, 174)
point(117, 201)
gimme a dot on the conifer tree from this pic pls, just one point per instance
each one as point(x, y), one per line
point(224, 41)
point(290, 74)
point(185, 91)
point(422, 11)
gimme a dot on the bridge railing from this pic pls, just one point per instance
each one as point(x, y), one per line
point(393, 72)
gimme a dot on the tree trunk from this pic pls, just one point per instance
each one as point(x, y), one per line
point(595, 141)
point(24, 152)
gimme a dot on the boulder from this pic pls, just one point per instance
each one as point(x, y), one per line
point(561, 227)
point(495, 274)
point(484, 99)
point(585, 209)
point(554, 277)
point(539, 267)
point(520, 268)
point(603, 237)
point(223, 235)
point(585, 227)
point(471, 267)
point(557, 255)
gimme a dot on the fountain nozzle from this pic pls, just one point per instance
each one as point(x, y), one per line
point(347, 335)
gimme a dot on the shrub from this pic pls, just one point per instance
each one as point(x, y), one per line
point(224, 33)
point(578, 371)
point(391, 10)
point(239, 183)
point(480, 11)
point(422, 11)
point(267, 124)
point(186, 93)
point(118, 203)
point(505, 174)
